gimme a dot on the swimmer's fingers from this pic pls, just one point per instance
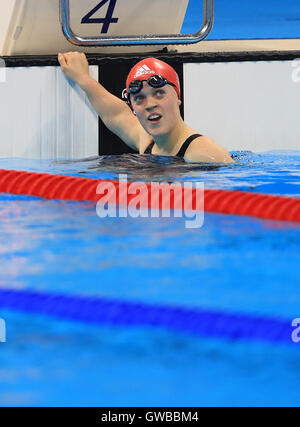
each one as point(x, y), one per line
point(73, 58)
point(74, 65)
point(62, 60)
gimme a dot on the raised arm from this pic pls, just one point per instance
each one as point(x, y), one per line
point(114, 112)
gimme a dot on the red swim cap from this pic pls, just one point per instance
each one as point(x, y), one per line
point(151, 66)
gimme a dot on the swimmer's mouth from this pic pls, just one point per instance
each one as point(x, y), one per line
point(154, 117)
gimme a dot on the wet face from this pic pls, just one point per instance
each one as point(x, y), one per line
point(157, 109)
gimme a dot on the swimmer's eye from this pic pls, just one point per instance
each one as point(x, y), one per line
point(160, 93)
point(138, 99)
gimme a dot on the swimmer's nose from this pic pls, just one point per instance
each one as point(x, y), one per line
point(151, 105)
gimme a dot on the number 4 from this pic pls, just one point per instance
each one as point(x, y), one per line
point(105, 21)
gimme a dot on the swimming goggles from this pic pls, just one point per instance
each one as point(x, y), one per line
point(154, 81)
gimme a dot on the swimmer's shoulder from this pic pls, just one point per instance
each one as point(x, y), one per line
point(205, 149)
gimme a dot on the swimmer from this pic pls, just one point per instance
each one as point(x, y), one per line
point(150, 120)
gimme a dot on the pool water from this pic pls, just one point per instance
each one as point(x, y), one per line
point(233, 266)
point(270, 172)
point(256, 19)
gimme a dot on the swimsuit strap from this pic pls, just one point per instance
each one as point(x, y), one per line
point(182, 150)
point(186, 145)
point(149, 148)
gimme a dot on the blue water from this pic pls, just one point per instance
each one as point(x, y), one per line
point(236, 19)
point(272, 172)
point(232, 265)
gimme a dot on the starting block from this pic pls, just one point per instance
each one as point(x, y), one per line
point(33, 27)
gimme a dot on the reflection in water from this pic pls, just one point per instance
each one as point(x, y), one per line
point(272, 172)
point(144, 167)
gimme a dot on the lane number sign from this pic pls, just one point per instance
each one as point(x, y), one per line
point(107, 20)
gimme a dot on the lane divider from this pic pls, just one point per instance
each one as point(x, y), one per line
point(60, 187)
point(104, 311)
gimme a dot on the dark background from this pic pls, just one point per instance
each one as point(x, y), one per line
point(113, 77)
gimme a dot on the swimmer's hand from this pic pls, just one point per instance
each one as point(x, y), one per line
point(75, 66)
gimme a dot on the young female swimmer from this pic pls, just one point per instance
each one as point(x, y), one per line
point(150, 122)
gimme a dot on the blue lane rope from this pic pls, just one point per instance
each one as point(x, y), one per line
point(207, 323)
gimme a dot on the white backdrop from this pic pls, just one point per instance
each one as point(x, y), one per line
point(44, 115)
point(245, 105)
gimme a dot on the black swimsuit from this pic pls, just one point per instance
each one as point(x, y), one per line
point(182, 150)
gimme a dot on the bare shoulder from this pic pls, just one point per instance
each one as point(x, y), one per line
point(205, 149)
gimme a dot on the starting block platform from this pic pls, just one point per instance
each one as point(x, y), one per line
point(31, 27)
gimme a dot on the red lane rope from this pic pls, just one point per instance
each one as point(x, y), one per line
point(70, 188)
